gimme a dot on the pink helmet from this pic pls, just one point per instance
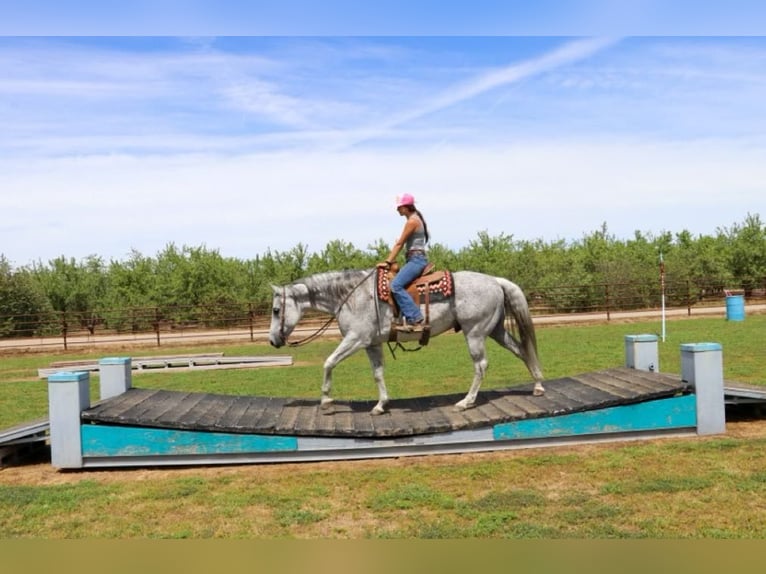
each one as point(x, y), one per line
point(405, 199)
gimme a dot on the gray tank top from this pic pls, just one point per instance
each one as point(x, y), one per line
point(417, 239)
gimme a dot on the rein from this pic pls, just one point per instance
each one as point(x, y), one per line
point(326, 324)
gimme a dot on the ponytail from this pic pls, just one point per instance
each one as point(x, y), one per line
point(425, 225)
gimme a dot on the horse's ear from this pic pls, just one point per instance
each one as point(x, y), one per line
point(275, 289)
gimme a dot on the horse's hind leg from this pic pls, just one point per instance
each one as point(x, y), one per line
point(375, 354)
point(478, 353)
point(506, 340)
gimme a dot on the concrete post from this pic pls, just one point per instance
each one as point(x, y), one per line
point(702, 367)
point(641, 353)
point(68, 396)
point(116, 376)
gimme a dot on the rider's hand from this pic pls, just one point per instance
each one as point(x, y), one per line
point(384, 265)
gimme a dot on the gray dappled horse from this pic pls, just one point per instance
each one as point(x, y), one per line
point(478, 308)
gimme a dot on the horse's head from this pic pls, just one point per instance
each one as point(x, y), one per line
point(286, 311)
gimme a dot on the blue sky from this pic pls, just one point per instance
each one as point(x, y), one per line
point(246, 143)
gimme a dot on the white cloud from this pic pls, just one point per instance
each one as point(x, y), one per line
point(247, 204)
point(246, 153)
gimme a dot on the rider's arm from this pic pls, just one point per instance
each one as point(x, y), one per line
point(410, 226)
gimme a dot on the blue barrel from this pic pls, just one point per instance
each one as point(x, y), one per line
point(735, 307)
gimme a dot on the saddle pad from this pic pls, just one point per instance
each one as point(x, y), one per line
point(442, 287)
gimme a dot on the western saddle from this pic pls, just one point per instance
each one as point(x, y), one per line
point(420, 291)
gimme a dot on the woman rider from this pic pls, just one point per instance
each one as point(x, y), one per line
point(413, 240)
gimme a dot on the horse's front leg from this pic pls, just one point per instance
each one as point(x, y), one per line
point(347, 347)
point(375, 354)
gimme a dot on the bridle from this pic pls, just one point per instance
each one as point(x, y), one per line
point(324, 326)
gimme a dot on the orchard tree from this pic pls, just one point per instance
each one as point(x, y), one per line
point(24, 308)
point(746, 252)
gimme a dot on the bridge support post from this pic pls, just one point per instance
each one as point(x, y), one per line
point(641, 353)
point(702, 367)
point(116, 374)
point(68, 396)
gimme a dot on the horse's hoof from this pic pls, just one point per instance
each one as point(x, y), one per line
point(538, 392)
point(462, 406)
point(379, 408)
point(326, 404)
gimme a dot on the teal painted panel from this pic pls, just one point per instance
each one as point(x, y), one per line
point(103, 440)
point(675, 412)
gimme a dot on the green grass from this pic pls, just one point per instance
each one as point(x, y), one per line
point(441, 367)
point(664, 489)
point(713, 487)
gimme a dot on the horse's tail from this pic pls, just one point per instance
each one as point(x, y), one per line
point(517, 308)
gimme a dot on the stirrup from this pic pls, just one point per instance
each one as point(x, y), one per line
point(406, 327)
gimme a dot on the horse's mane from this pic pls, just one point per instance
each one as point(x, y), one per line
point(333, 284)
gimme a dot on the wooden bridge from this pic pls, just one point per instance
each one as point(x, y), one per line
point(142, 427)
point(405, 417)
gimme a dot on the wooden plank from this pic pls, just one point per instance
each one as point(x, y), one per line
point(324, 422)
point(662, 380)
point(643, 384)
point(140, 411)
point(159, 404)
point(232, 414)
point(431, 418)
point(344, 419)
point(113, 409)
point(186, 403)
point(362, 418)
point(131, 403)
point(458, 419)
point(219, 404)
point(490, 411)
point(503, 401)
point(286, 423)
point(589, 396)
point(190, 419)
point(255, 408)
point(476, 416)
point(639, 381)
point(568, 398)
point(270, 415)
point(530, 408)
point(306, 420)
point(606, 385)
point(401, 418)
point(429, 414)
point(382, 424)
point(552, 403)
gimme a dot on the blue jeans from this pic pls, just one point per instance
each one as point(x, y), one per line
point(407, 274)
